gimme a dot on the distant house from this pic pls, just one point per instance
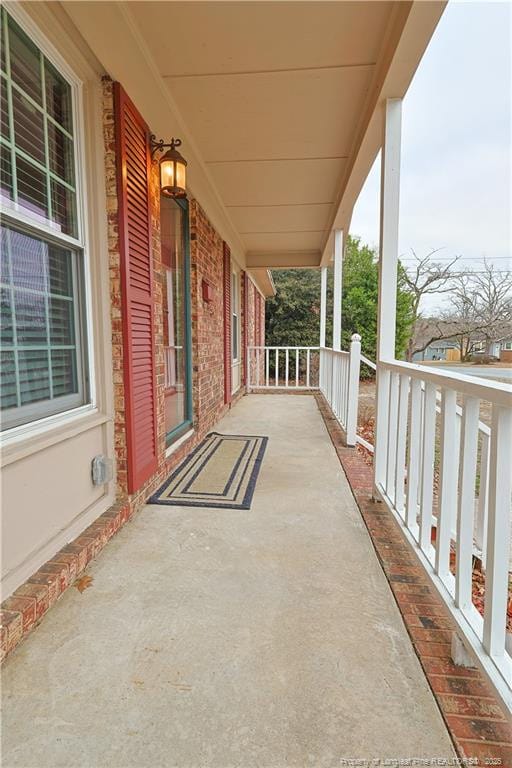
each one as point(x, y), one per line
point(444, 349)
point(502, 349)
point(505, 350)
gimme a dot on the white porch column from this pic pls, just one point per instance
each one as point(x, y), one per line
point(336, 310)
point(388, 260)
point(323, 304)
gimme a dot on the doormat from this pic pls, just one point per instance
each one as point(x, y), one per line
point(221, 472)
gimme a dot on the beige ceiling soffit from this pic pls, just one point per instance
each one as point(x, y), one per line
point(263, 281)
point(283, 259)
point(410, 30)
point(112, 34)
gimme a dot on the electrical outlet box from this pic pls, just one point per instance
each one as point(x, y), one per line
point(102, 470)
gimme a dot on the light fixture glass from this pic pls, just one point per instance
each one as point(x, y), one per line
point(173, 168)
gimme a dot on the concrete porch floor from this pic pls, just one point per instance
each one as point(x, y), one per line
point(223, 638)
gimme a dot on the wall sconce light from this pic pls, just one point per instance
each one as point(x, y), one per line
point(173, 167)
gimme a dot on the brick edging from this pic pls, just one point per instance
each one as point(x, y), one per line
point(26, 607)
point(476, 720)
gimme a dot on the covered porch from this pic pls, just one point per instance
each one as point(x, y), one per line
point(221, 637)
point(268, 637)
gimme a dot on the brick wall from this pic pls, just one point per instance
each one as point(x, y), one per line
point(256, 330)
point(26, 607)
point(206, 258)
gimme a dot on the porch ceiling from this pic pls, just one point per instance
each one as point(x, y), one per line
point(279, 104)
point(273, 93)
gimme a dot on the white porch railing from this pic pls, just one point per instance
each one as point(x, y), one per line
point(334, 373)
point(422, 435)
point(339, 384)
point(283, 367)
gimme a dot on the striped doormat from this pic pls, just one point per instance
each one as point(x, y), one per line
point(221, 472)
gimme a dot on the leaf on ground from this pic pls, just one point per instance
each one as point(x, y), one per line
point(83, 582)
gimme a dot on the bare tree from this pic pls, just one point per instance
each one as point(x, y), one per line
point(427, 276)
point(481, 308)
point(492, 293)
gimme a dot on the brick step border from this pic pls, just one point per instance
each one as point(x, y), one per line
point(28, 605)
point(479, 725)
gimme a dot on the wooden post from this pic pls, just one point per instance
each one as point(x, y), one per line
point(353, 388)
point(323, 304)
point(338, 276)
point(386, 315)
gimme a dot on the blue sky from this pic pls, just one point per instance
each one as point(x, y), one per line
point(456, 144)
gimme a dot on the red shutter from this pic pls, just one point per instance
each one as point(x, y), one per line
point(245, 279)
point(133, 173)
point(227, 324)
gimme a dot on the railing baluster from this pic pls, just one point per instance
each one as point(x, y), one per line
point(276, 360)
point(287, 364)
point(447, 481)
point(382, 434)
point(296, 367)
point(498, 532)
point(466, 506)
point(392, 430)
point(427, 467)
point(413, 463)
point(483, 499)
point(267, 367)
point(258, 367)
point(308, 364)
point(403, 403)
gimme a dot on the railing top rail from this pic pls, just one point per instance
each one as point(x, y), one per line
point(495, 392)
point(368, 362)
point(334, 351)
point(284, 347)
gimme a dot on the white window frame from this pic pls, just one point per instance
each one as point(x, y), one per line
point(16, 216)
point(235, 313)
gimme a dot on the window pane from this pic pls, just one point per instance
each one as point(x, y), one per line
point(64, 208)
point(30, 315)
point(173, 256)
point(3, 64)
point(62, 326)
point(235, 337)
point(28, 127)
point(4, 254)
point(31, 188)
point(25, 62)
point(60, 150)
point(6, 173)
point(58, 97)
point(28, 261)
point(4, 107)
point(42, 130)
point(64, 376)
point(8, 398)
point(6, 336)
point(61, 274)
point(34, 376)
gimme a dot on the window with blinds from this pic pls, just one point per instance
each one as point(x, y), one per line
point(42, 335)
